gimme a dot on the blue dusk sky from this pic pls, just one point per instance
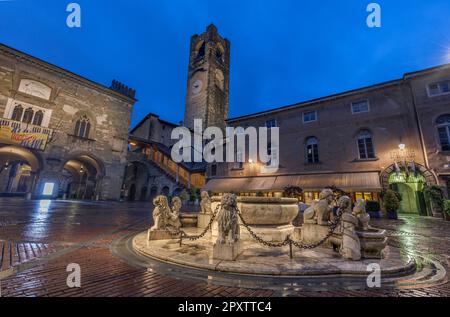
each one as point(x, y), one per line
point(283, 51)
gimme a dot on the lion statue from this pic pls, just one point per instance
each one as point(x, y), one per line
point(359, 211)
point(227, 219)
point(205, 204)
point(163, 217)
point(319, 212)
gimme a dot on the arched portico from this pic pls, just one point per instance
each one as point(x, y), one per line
point(82, 175)
point(136, 181)
point(19, 170)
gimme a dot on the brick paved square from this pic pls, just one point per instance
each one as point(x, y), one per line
point(35, 255)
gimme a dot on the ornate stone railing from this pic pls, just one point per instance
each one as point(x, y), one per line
point(23, 127)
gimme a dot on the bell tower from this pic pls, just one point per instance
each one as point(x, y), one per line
point(208, 80)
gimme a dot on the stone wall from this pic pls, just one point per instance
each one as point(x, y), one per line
point(71, 97)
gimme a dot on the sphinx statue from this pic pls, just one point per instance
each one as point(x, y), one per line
point(176, 209)
point(205, 204)
point(319, 212)
point(351, 245)
point(359, 211)
point(165, 221)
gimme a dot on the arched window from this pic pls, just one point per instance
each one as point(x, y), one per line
point(38, 117)
point(17, 113)
point(83, 127)
point(219, 55)
point(201, 51)
point(443, 126)
point(312, 150)
point(220, 79)
point(28, 115)
point(365, 145)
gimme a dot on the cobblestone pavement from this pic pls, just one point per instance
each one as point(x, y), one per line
point(38, 239)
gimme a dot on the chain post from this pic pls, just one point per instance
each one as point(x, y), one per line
point(290, 247)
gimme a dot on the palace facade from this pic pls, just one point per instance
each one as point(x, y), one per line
point(395, 134)
point(65, 136)
point(62, 135)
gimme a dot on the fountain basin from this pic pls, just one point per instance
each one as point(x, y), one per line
point(373, 241)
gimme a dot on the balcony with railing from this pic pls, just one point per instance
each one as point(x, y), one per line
point(24, 134)
point(22, 127)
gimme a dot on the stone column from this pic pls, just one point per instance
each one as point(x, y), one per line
point(32, 185)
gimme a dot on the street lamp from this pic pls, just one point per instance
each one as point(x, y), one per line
point(402, 146)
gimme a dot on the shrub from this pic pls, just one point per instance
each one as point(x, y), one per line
point(372, 206)
point(434, 195)
point(292, 192)
point(397, 194)
point(184, 196)
point(391, 201)
point(194, 194)
point(447, 207)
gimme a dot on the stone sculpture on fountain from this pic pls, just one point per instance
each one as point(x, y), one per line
point(166, 221)
point(359, 211)
point(228, 244)
point(350, 246)
point(319, 212)
point(316, 219)
point(204, 217)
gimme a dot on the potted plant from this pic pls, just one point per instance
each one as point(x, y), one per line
point(292, 192)
point(373, 208)
point(391, 203)
point(447, 210)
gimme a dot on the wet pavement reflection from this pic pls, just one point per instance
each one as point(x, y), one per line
point(40, 238)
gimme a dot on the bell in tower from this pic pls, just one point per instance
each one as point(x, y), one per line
point(208, 80)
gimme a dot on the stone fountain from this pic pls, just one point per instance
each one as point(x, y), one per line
point(270, 217)
point(326, 243)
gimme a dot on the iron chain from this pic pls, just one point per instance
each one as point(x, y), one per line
point(288, 239)
point(183, 235)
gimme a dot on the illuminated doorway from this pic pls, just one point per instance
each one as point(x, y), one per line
point(410, 186)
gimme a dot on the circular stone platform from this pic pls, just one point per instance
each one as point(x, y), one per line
point(260, 260)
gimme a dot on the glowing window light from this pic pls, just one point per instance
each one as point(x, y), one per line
point(48, 189)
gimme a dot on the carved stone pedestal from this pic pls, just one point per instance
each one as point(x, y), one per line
point(373, 243)
point(203, 220)
point(226, 251)
point(313, 233)
point(159, 235)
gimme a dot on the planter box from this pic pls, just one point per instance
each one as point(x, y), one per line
point(392, 215)
point(446, 216)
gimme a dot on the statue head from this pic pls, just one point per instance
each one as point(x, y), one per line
point(326, 194)
point(177, 203)
point(229, 201)
point(360, 206)
point(204, 195)
point(345, 204)
point(160, 200)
